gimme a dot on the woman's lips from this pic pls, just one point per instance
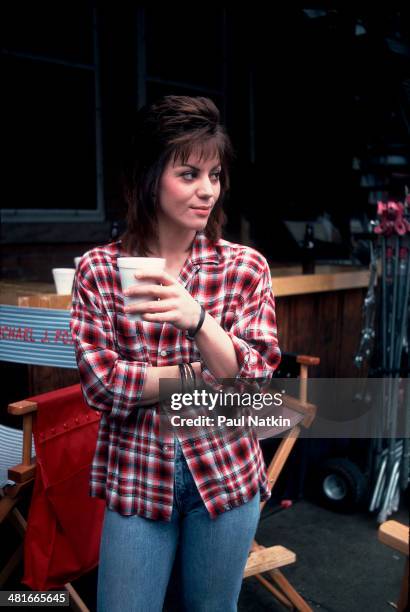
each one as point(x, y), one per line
point(201, 211)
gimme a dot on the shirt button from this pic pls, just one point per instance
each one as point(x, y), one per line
point(166, 448)
point(163, 353)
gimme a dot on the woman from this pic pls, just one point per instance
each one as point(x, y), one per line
point(212, 307)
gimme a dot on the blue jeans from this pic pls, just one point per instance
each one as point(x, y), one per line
point(137, 554)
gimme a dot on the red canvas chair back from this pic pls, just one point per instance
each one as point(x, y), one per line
point(64, 523)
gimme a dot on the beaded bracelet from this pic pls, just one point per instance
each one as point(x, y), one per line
point(193, 375)
point(190, 377)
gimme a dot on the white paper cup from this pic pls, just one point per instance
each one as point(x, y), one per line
point(127, 267)
point(63, 280)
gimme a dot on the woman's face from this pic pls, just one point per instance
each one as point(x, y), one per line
point(188, 192)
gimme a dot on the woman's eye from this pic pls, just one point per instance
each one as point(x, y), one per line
point(190, 175)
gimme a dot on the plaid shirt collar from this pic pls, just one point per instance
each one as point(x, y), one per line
point(203, 250)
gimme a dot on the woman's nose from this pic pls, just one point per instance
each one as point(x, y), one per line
point(205, 188)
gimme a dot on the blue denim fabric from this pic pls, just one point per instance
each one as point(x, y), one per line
point(137, 555)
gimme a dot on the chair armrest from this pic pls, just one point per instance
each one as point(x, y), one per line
point(395, 535)
point(25, 470)
point(22, 408)
point(22, 473)
point(307, 360)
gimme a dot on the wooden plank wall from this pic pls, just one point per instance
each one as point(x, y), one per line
point(327, 325)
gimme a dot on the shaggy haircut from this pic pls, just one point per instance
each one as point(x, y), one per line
point(173, 127)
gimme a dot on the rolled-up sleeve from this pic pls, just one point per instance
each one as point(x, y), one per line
point(110, 384)
point(253, 334)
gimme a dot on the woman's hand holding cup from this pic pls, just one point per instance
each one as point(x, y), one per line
point(165, 302)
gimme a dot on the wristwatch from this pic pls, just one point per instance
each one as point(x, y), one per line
point(191, 333)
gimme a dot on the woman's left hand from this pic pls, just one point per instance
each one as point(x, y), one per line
point(170, 301)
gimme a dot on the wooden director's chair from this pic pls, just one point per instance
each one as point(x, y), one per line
point(76, 437)
point(262, 560)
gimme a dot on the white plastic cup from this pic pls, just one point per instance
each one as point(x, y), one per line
point(77, 261)
point(63, 280)
point(127, 267)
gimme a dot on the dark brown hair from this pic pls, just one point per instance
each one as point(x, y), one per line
point(171, 127)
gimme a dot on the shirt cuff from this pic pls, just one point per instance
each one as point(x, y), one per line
point(244, 356)
point(247, 365)
point(129, 384)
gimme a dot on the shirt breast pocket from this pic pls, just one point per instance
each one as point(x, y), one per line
point(130, 342)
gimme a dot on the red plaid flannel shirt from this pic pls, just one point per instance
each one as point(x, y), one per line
point(133, 467)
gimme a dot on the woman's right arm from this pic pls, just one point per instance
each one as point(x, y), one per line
point(110, 384)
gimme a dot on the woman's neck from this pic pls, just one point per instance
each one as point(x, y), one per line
point(172, 245)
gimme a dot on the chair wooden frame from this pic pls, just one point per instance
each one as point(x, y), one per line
point(269, 560)
point(261, 559)
point(396, 535)
point(23, 475)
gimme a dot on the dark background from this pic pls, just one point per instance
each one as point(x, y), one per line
point(315, 101)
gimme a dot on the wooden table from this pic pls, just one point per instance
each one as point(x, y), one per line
point(289, 280)
point(11, 291)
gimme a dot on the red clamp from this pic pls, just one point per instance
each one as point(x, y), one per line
point(392, 219)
